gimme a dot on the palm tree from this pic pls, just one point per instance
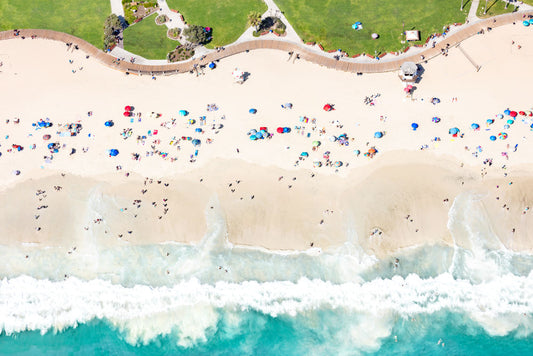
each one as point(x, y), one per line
point(254, 19)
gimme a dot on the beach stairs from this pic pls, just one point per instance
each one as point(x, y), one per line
point(478, 67)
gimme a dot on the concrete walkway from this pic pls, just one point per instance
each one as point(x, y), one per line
point(117, 8)
point(472, 17)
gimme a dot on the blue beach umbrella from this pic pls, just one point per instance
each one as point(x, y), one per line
point(453, 131)
point(196, 142)
point(109, 123)
point(525, 23)
point(507, 112)
point(474, 126)
point(531, 21)
point(183, 113)
point(493, 138)
point(212, 65)
point(252, 111)
point(304, 154)
point(113, 152)
point(199, 130)
point(253, 137)
point(510, 122)
point(414, 126)
point(378, 134)
point(490, 121)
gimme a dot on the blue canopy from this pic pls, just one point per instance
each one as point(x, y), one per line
point(378, 134)
point(414, 125)
point(286, 129)
point(51, 145)
point(253, 137)
point(525, 23)
point(196, 142)
point(252, 111)
point(474, 126)
point(493, 138)
point(212, 65)
point(510, 122)
point(113, 152)
point(109, 123)
point(183, 113)
point(198, 129)
point(304, 154)
point(490, 121)
point(507, 112)
point(454, 131)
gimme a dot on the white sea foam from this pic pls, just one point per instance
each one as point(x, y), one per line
point(189, 307)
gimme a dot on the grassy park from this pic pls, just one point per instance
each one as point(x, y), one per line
point(227, 18)
point(149, 40)
point(80, 18)
point(494, 7)
point(330, 22)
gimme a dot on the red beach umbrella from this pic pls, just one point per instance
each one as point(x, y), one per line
point(513, 114)
point(328, 107)
point(127, 108)
point(523, 113)
point(46, 137)
point(127, 113)
point(280, 130)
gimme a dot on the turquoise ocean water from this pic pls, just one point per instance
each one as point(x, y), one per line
point(472, 298)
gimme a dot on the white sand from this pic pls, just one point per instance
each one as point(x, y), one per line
point(364, 194)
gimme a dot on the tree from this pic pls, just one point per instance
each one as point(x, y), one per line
point(112, 28)
point(196, 34)
point(254, 19)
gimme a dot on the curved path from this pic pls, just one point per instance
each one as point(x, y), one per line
point(384, 65)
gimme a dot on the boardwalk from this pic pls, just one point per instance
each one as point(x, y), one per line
point(385, 65)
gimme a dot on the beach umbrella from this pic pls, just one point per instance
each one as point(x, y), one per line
point(199, 130)
point(287, 106)
point(523, 113)
point(510, 122)
point(531, 21)
point(316, 143)
point(286, 129)
point(436, 119)
point(252, 111)
point(474, 126)
point(253, 137)
point(191, 121)
point(127, 113)
point(333, 138)
point(304, 154)
point(183, 113)
point(525, 23)
point(279, 130)
point(127, 108)
point(454, 131)
point(317, 164)
point(327, 107)
point(502, 135)
point(375, 36)
point(414, 126)
point(507, 112)
point(259, 134)
point(263, 128)
point(109, 123)
point(493, 138)
point(196, 142)
point(490, 121)
point(338, 164)
point(112, 152)
point(513, 114)
point(529, 113)
point(378, 134)
point(500, 116)
point(212, 65)
point(46, 137)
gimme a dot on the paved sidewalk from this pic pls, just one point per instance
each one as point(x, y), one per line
point(117, 8)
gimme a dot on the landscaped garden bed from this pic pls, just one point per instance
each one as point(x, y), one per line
point(181, 53)
point(174, 33)
point(161, 19)
point(135, 11)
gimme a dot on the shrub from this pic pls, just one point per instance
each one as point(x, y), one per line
point(112, 27)
point(256, 34)
point(174, 33)
point(161, 19)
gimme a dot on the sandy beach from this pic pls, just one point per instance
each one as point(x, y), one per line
point(266, 193)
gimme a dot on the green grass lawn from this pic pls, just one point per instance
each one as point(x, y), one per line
point(81, 18)
point(149, 40)
point(494, 7)
point(329, 22)
point(227, 18)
